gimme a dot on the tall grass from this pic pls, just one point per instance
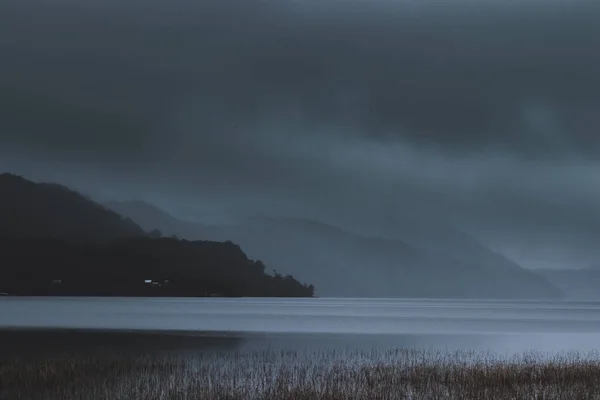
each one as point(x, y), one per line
point(398, 374)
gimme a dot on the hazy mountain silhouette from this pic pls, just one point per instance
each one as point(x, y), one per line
point(341, 263)
point(577, 284)
point(51, 210)
point(433, 233)
point(54, 241)
point(153, 217)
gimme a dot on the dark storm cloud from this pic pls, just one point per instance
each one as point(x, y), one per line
point(460, 75)
point(486, 111)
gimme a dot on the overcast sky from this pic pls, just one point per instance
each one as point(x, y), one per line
point(485, 112)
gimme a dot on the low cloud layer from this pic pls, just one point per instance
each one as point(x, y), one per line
point(485, 113)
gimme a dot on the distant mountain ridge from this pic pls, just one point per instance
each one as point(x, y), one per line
point(341, 263)
point(54, 241)
point(51, 210)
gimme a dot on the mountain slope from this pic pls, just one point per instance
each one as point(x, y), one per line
point(50, 210)
point(54, 241)
point(435, 234)
point(137, 267)
point(577, 284)
point(341, 263)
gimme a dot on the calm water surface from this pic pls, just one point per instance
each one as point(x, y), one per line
point(217, 324)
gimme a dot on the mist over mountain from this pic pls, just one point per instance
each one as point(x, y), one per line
point(54, 241)
point(576, 284)
point(341, 263)
point(378, 117)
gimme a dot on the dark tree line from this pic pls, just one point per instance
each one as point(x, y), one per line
point(137, 267)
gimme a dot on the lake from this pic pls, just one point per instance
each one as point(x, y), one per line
point(257, 324)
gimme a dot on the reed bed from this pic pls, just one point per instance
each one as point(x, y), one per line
point(397, 374)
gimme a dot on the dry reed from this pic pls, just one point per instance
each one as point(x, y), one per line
point(397, 374)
